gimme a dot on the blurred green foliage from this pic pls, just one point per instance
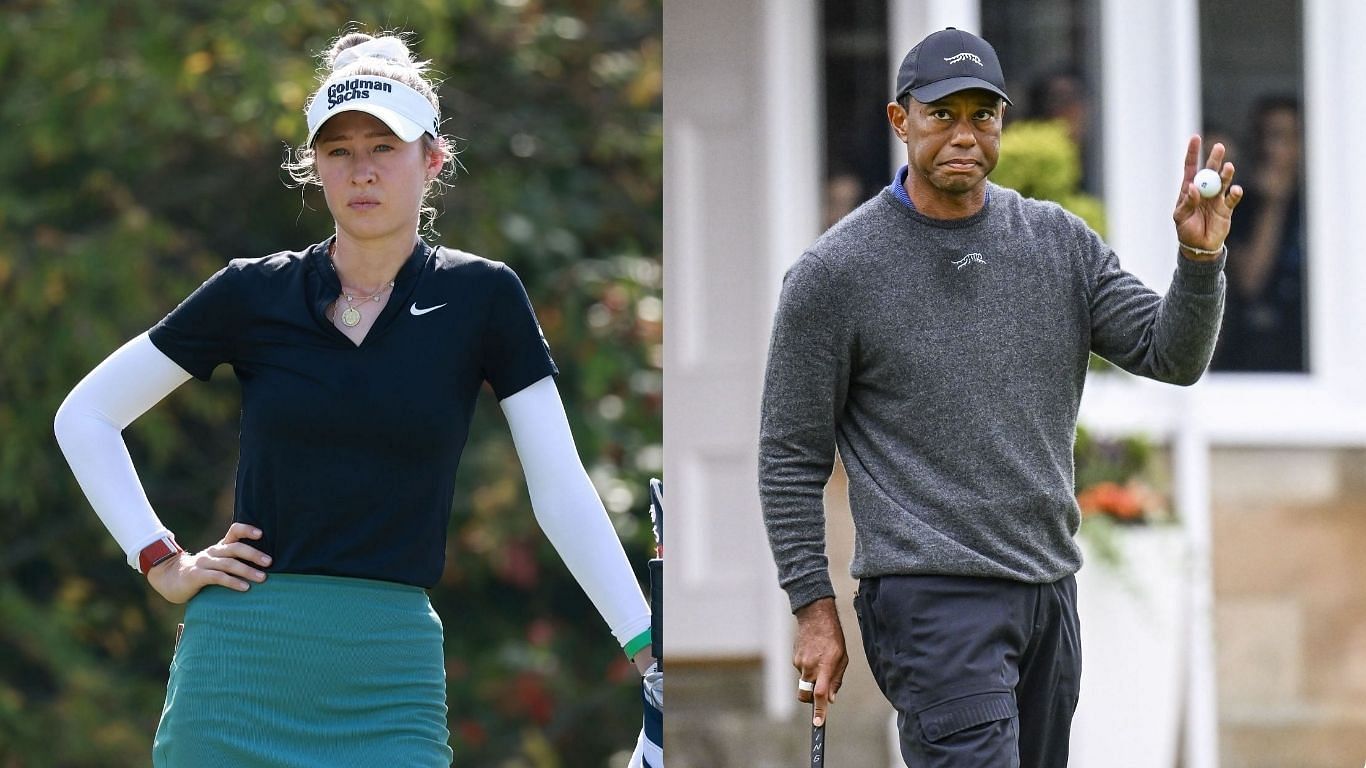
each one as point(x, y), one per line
point(142, 152)
point(1040, 160)
point(1110, 460)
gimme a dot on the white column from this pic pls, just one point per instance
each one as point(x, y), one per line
point(793, 137)
point(963, 14)
point(794, 134)
point(1334, 67)
point(907, 24)
point(1191, 476)
point(1151, 106)
point(717, 184)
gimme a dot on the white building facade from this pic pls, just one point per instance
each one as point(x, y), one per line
point(1258, 459)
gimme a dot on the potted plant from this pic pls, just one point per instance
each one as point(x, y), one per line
point(1118, 486)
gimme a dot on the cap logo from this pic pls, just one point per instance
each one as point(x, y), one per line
point(354, 88)
point(405, 111)
point(964, 56)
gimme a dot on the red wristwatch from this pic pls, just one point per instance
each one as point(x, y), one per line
point(158, 552)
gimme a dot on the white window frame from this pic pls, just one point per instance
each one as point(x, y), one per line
point(1152, 58)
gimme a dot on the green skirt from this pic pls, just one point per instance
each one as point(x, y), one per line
point(305, 671)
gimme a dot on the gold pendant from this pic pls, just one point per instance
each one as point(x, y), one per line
point(351, 317)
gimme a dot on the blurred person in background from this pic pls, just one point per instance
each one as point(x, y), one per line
point(359, 360)
point(1062, 95)
point(1264, 319)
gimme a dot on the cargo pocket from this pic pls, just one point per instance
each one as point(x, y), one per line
point(941, 721)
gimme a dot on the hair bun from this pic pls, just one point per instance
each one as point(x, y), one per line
point(388, 48)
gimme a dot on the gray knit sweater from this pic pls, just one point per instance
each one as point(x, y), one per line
point(946, 360)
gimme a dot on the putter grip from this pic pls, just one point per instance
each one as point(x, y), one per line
point(817, 746)
point(657, 609)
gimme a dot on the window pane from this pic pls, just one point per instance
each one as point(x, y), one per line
point(1050, 54)
point(858, 85)
point(1251, 86)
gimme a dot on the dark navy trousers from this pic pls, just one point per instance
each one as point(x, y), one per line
point(984, 673)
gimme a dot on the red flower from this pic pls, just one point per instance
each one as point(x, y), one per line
point(516, 564)
point(527, 696)
point(540, 632)
point(472, 733)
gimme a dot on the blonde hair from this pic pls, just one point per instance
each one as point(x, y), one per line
point(300, 162)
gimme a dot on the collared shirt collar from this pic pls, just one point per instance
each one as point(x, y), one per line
point(898, 187)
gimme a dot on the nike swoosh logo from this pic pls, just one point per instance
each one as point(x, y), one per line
point(415, 311)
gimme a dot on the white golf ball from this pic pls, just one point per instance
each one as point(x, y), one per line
point(1208, 182)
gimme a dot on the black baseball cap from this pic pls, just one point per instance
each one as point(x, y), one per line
point(950, 61)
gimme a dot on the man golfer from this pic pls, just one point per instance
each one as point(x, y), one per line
point(939, 335)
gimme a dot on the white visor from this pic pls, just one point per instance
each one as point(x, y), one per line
point(407, 112)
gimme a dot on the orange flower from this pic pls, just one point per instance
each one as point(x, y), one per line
point(1109, 498)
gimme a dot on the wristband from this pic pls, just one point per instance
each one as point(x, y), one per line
point(637, 644)
point(1201, 251)
point(157, 552)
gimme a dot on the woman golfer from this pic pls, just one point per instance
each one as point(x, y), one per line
point(308, 637)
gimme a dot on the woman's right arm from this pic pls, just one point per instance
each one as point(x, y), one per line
point(89, 426)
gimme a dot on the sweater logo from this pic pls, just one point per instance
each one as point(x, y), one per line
point(971, 258)
point(964, 56)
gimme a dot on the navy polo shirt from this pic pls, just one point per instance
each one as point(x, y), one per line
point(348, 453)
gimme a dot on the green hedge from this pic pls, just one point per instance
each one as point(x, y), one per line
point(142, 149)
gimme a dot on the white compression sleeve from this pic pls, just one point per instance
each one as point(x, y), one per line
point(89, 428)
point(568, 509)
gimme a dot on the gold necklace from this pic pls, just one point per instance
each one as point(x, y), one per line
point(351, 316)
